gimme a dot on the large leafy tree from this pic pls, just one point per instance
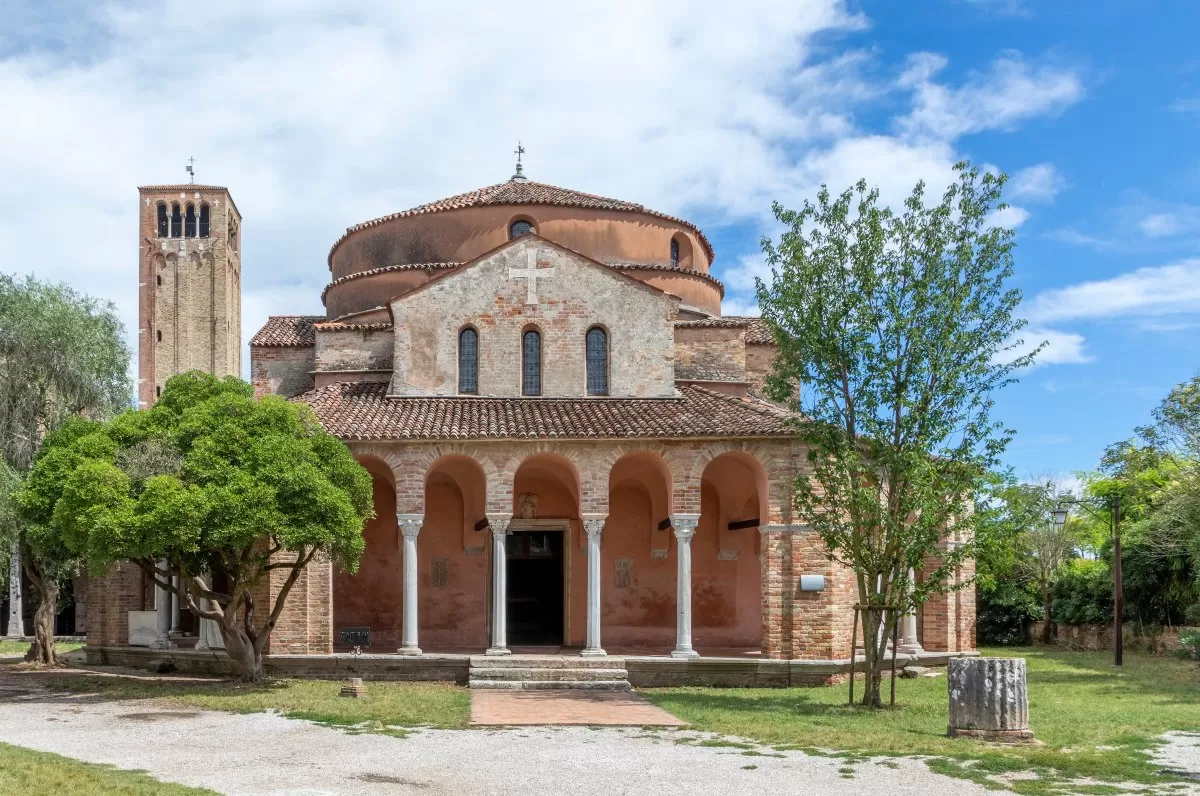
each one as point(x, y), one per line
point(894, 332)
point(211, 485)
point(61, 355)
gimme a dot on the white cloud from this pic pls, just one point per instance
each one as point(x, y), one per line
point(1163, 290)
point(318, 115)
point(740, 306)
point(1010, 217)
point(1010, 92)
point(1077, 238)
point(1036, 183)
point(1171, 222)
point(1061, 348)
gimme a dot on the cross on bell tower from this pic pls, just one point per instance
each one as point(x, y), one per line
point(191, 169)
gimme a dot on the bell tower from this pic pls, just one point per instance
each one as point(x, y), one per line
point(190, 284)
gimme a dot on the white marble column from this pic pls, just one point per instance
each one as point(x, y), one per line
point(410, 527)
point(175, 632)
point(162, 608)
point(593, 526)
point(909, 643)
point(209, 635)
point(16, 617)
point(685, 529)
point(499, 646)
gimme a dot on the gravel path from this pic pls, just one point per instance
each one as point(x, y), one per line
point(268, 754)
point(1181, 752)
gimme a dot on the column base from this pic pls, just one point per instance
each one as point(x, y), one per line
point(162, 644)
point(496, 651)
point(175, 634)
point(688, 653)
point(592, 653)
point(202, 647)
point(409, 651)
point(910, 649)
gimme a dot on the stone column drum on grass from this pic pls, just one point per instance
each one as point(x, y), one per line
point(988, 699)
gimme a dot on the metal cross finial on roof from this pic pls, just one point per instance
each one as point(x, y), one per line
point(520, 173)
point(191, 169)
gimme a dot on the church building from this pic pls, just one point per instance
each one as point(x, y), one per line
point(568, 441)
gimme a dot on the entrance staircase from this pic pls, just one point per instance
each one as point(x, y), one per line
point(541, 672)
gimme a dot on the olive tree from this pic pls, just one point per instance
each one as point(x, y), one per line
point(62, 355)
point(894, 331)
point(214, 486)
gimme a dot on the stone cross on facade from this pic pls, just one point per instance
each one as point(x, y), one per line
point(533, 274)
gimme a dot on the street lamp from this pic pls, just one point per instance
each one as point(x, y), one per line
point(1113, 506)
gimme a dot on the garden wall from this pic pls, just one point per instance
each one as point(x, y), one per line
point(1164, 641)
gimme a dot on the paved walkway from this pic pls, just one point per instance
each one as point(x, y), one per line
point(614, 708)
point(265, 754)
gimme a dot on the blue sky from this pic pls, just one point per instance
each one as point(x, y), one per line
point(318, 115)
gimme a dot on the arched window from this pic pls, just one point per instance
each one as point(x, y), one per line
point(597, 361)
point(204, 221)
point(176, 221)
point(163, 230)
point(189, 221)
point(531, 363)
point(468, 361)
point(674, 253)
point(519, 228)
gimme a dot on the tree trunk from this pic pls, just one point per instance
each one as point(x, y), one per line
point(872, 620)
point(42, 650)
point(1047, 624)
point(245, 652)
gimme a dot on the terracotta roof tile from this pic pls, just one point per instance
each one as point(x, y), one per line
point(524, 192)
point(386, 270)
point(653, 267)
point(287, 330)
point(364, 411)
point(342, 326)
point(714, 323)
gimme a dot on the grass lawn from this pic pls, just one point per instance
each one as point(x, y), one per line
point(1093, 723)
point(21, 647)
point(24, 772)
point(387, 707)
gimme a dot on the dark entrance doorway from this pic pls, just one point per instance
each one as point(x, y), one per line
point(535, 588)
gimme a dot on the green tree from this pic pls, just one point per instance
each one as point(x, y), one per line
point(894, 333)
point(1005, 510)
point(61, 355)
point(210, 485)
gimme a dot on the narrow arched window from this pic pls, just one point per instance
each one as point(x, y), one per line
point(468, 361)
point(163, 230)
point(531, 363)
point(674, 253)
point(176, 221)
point(189, 221)
point(597, 361)
point(204, 221)
point(519, 228)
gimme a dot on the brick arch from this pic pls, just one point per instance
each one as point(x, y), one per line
point(561, 463)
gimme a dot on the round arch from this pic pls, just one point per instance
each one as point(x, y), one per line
point(372, 597)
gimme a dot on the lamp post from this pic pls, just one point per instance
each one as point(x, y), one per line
point(1113, 505)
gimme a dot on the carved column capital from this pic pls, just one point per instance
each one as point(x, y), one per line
point(499, 525)
point(685, 526)
point(410, 524)
point(593, 524)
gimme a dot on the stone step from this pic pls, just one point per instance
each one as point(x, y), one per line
point(546, 685)
point(548, 675)
point(545, 662)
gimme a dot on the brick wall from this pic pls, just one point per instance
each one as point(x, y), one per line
point(110, 598)
point(710, 353)
point(278, 370)
point(639, 320)
point(759, 360)
point(343, 350)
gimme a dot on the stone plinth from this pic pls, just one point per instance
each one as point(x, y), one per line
point(988, 699)
point(353, 687)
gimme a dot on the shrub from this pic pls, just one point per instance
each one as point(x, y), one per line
point(1189, 644)
point(1005, 614)
point(1192, 615)
point(1082, 594)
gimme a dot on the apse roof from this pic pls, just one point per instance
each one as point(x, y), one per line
point(525, 192)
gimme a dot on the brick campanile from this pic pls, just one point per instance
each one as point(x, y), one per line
point(189, 277)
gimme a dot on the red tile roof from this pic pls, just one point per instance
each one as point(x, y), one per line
point(287, 330)
point(364, 411)
point(652, 267)
point(757, 330)
point(388, 269)
point(524, 192)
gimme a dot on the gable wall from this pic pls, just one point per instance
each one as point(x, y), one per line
point(580, 294)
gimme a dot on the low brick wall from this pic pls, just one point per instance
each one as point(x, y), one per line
point(1100, 637)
